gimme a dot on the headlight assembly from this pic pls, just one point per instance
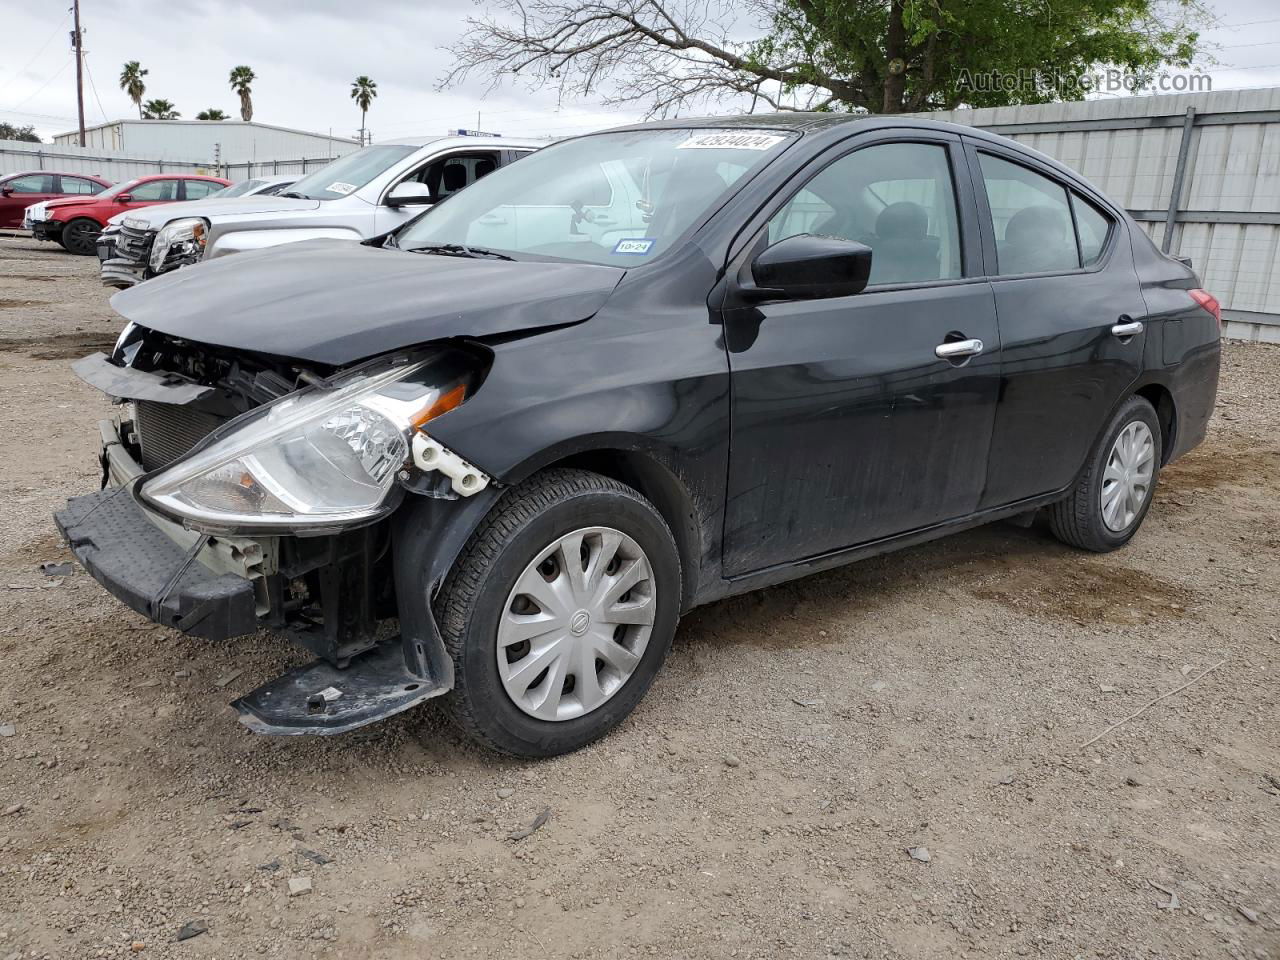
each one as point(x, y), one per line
point(322, 458)
point(182, 239)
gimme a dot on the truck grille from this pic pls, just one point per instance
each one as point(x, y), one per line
point(134, 244)
point(168, 430)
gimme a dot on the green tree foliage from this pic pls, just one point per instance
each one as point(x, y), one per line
point(241, 81)
point(131, 82)
point(159, 110)
point(213, 113)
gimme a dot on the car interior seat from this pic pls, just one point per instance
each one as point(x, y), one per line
point(903, 251)
point(454, 179)
point(1035, 240)
point(485, 167)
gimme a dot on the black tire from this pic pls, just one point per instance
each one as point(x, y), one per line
point(80, 236)
point(524, 522)
point(1077, 520)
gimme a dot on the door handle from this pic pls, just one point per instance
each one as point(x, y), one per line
point(1126, 329)
point(954, 349)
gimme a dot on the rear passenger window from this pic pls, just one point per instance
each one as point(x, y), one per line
point(199, 189)
point(1032, 219)
point(1094, 227)
point(897, 198)
point(80, 186)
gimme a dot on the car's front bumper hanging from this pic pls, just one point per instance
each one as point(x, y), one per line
point(140, 565)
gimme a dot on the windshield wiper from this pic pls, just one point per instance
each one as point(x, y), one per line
point(295, 195)
point(460, 250)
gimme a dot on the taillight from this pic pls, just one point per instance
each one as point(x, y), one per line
point(1209, 302)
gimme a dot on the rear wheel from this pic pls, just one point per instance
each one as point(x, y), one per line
point(559, 613)
point(80, 237)
point(1111, 498)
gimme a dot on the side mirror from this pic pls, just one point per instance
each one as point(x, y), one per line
point(807, 267)
point(408, 192)
point(124, 197)
point(6, 191)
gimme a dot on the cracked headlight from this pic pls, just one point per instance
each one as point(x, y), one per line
point(183, 239)
point(324, 457)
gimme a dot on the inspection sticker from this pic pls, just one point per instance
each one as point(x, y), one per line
point(339, 187)
point(731, 141)
point(635, 246)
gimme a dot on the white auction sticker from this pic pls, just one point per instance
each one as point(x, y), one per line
point(732, 141)
point(339, 187)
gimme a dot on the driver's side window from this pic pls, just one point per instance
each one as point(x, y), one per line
point(897, 198)
point(450, 174)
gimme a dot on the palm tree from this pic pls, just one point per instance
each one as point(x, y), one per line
point(241, 77)
point(159, 110)
point(213, 113)
point(131, 83)
point(363, 90)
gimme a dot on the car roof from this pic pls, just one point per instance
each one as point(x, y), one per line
point(456, 141)
point(57, 173)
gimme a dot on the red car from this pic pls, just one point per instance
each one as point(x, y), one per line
point(19, 190)
point(76, 223)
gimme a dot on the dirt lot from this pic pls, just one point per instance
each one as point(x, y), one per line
point(761, 801)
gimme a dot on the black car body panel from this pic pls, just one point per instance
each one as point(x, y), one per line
point(372, 300)
point(776, 436)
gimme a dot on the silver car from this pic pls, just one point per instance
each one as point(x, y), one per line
point(361, 195)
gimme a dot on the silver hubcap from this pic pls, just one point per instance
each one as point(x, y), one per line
point(1126, 481)
point(576, 624)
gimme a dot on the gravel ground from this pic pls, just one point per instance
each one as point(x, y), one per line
point(759, 804)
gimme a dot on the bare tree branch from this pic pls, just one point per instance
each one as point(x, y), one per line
point(666, 54)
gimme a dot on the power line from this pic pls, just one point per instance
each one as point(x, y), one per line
point(57, 30)
point(93, 86)
point(40, 89)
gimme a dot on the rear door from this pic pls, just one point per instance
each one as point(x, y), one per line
point(847, 426)
point(1071, 319)
point(193, 189)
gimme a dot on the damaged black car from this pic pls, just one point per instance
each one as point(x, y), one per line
point(493, 456)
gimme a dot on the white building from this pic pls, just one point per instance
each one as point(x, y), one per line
point(210, 141)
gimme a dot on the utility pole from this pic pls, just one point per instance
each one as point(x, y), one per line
point(77, 39)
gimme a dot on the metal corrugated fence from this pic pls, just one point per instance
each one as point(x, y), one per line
point(1200, 172)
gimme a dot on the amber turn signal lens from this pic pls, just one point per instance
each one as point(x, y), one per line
point(444, 403)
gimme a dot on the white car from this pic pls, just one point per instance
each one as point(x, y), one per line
point(361, 195)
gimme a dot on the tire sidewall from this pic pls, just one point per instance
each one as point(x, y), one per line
point(79, 221)
point(478, 679)
point(1136, 409)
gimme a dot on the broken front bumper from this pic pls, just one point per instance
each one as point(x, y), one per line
point(132, 557)
point(218, 588)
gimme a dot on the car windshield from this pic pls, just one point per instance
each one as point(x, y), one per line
point(348, 174)
point(119, 188)
point(612, 198)
point(236, 189)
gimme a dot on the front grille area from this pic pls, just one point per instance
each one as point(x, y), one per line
point(134, 244)
point(168, 430)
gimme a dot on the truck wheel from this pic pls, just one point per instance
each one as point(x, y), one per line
point(1110, 499)
point(558, 613)
point(80, 237)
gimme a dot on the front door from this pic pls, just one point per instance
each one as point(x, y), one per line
point(858, 418)
point(21, 192)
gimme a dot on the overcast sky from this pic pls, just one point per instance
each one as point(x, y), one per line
point(307, 52)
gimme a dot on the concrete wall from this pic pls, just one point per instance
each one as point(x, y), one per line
point(1226, 204)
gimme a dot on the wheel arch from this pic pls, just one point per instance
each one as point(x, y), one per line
point(1161, 397)
point(652, 475)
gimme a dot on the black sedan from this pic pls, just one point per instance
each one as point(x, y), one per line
point(632, 373)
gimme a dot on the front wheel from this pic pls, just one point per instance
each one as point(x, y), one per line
point(1111, 498)
point(559, 613)
point(80, 237)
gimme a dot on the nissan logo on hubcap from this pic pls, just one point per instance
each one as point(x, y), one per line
point(579, 623)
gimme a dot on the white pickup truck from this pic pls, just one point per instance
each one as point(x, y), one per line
point(361, 195)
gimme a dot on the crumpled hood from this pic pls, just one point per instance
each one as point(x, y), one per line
point(338, 301)
point(158, 215)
